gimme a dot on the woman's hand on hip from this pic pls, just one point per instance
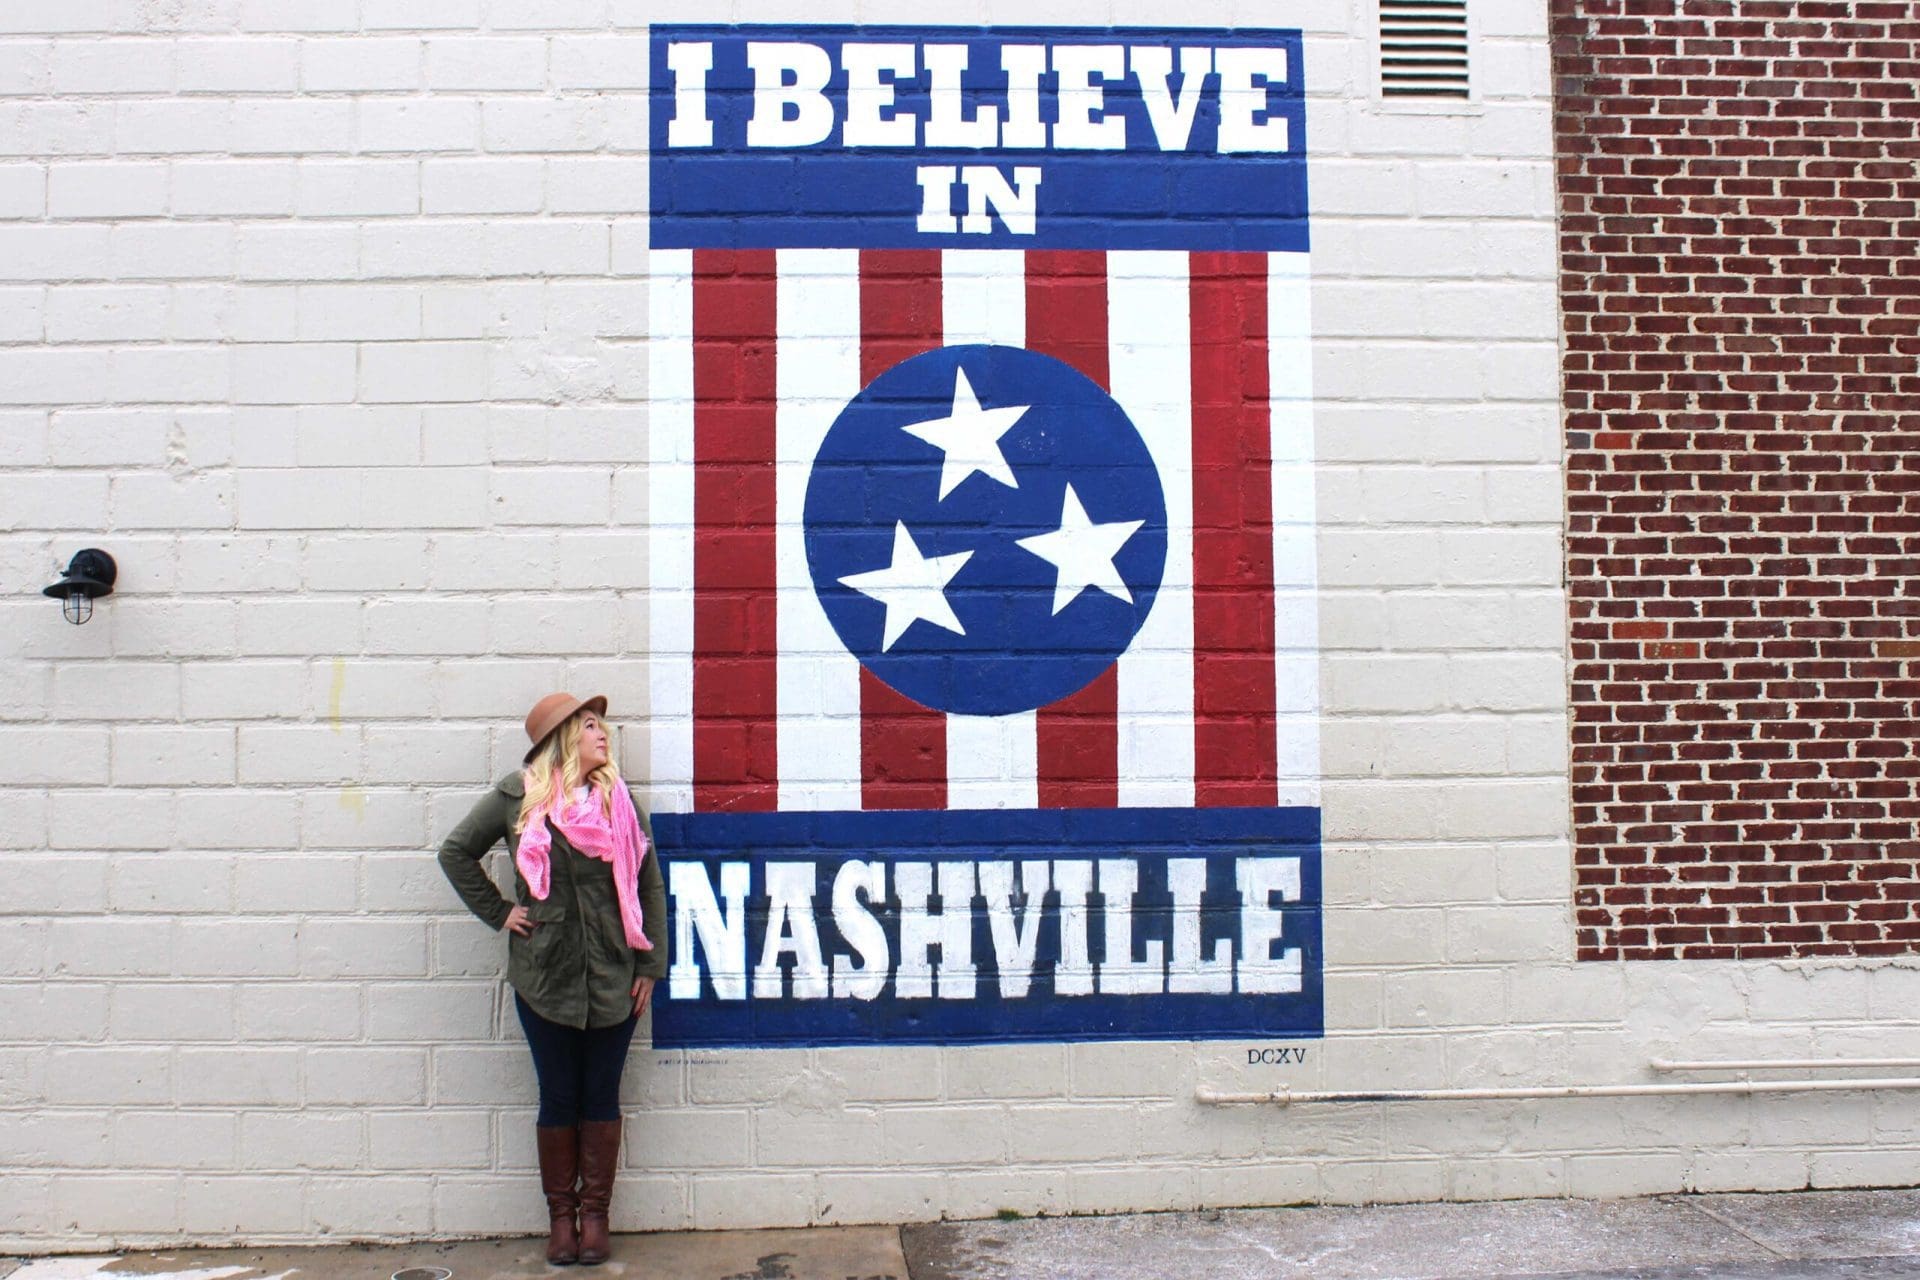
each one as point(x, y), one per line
point(518, 921)
point(642, 995)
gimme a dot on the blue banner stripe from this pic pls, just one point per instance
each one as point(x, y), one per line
point(1061, 1000)
point(1115, 138)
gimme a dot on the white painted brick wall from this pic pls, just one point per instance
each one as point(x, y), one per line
point(322, 318)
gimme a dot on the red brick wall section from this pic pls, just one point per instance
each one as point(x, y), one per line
point(1740, 250)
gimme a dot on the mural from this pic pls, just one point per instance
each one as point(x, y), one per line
point(985, 698)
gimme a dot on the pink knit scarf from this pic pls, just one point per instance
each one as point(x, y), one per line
point(584, 823)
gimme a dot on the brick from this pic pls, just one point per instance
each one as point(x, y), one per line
point(496, 1075)
point(53, 377)
point(143, 820)
point(362, 948)
point(294, 15)
point(358, 188)
point(172, 1012)
point(183, 885)
point(376, 1204)
point(232, 187)
point(282, 1141)
point(294, 373)
point(110, 190)
point(877, 1197)
point(543, 124)
point(22, 319)
point(413, 372)
point(598, 184)
point(731, 1201)
point(104, 313)
point(534, 626)
point(494, 310)
point(291, 126)
point(438, 1139)
point(551, 247)
point(440, 626)
point(97, 1075)
point(360, 1075)
point(948, 1134)
point(223, 313)
point(486, 63)
point(173, 1140)
point(296, 254)
point(415, 250)
point(361, 64)
point(173, 251)
point(1658, 413)
point(358, 818)
point(236, 819)
point(56, 128)
point(25, 67)
point(57, 1011)
point(40, 754)
point(519, 560)
point(262, 65)
point(107, 1203)
point(491, 186)
point(549, 15)
point(419, 124)
point(236, 1204)
point(439, 1011)
point(23, 953)
point(299, 1012)
point(420, 15)
point(172, 126)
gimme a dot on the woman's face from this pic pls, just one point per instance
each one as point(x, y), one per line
point(593, 742)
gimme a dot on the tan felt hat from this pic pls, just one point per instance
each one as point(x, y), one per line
point(553, 711)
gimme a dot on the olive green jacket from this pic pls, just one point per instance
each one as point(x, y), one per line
point(576, 969)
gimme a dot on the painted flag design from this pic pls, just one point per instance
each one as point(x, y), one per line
point(983, 637)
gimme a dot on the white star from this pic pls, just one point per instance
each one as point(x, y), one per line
point(970, 437)
point(913, 587)
point(1083, 553)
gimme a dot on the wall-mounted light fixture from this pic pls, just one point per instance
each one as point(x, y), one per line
point(89, 575)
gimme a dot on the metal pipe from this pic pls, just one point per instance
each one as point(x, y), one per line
point(1287, 1097)
point(1788, 1064)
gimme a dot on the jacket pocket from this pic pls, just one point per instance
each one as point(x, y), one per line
point(548, 912)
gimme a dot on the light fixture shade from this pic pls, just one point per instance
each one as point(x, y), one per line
point(90, 575)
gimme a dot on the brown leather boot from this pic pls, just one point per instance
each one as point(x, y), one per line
point(599, 1158)
point(559, 1168)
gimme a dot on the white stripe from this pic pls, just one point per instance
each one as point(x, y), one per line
point(993, 762)
point(669, 728)
point(1151, 364)
point(816, 372)
point(1295, 575)
point(983, 296)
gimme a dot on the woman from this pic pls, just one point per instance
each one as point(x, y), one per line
point(589, 940)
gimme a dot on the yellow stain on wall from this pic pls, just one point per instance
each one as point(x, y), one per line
point(353, 797)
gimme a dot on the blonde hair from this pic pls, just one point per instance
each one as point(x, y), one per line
point(555, 771)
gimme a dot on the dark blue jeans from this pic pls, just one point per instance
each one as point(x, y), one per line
point(579, 1071)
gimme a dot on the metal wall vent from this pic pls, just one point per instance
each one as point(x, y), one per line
point(1423, 48)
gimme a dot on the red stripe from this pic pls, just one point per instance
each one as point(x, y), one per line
point(1235, 753)
point(1079, 736)
point(903, 745)
point(735, 661)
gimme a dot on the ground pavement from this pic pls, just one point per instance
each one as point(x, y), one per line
point(1808, 1235)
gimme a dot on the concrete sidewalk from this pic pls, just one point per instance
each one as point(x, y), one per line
point(1819, 1235)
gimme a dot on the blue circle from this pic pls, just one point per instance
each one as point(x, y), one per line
point(872, 476)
